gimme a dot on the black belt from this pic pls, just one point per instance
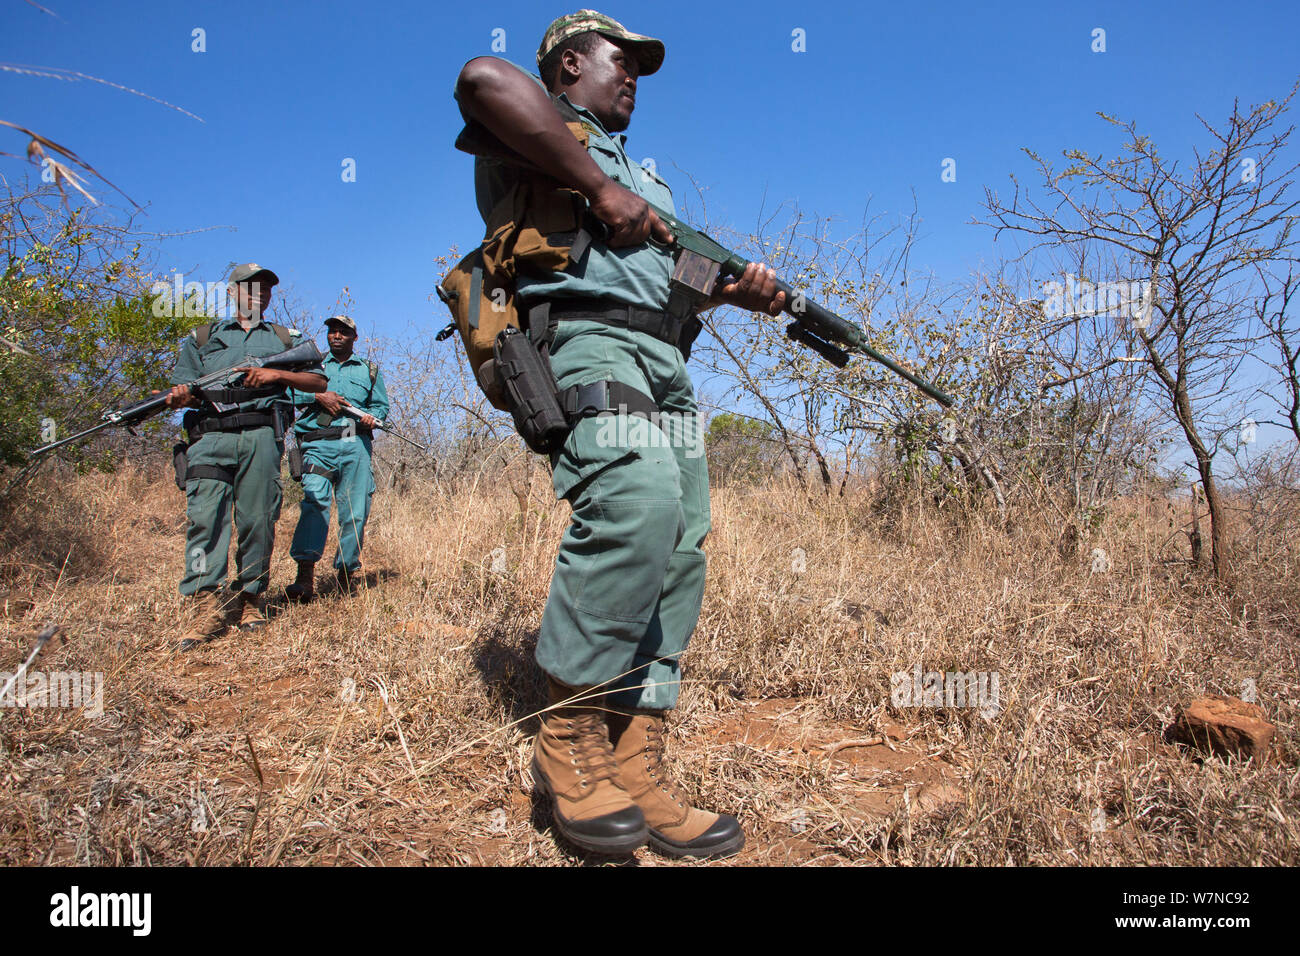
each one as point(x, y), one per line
point(662, 326)
point(238, 422)
point(331, 433)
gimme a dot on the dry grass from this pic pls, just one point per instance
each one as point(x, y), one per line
point(281, 747)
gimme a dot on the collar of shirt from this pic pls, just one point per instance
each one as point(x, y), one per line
point(586, 114)
point(329, 357)
point(233, 323)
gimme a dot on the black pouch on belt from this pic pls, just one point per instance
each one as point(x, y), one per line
point(529, 389)
point(180, 462)
point(295, 462)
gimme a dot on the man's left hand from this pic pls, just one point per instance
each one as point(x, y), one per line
point(369, 421)
point(257, 377)
point(754, 290)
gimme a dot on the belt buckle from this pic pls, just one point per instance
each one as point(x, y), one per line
point(595, 392)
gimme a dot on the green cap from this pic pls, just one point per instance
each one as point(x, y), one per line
point(248, 270)
point(648, 51)
point(341, 320)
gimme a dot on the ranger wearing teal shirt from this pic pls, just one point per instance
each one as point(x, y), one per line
point(233, 458)
point(336, 460)
point(629, 578)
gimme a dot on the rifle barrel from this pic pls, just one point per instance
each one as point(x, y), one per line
point(353, 412)
point(826, 325)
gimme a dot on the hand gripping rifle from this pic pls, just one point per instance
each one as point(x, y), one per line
point(353, 412)
point(291, 360)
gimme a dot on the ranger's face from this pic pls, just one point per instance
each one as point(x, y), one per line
point(251, 298)
point(340, 337)
point(606, 84)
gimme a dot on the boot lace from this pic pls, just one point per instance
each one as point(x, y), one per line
point(590, 748)
point(654, 757)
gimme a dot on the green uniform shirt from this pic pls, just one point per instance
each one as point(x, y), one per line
point(637, 275)
point(228, 346)
point(351, 379)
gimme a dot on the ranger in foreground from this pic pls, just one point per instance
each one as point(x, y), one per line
point(629, 579)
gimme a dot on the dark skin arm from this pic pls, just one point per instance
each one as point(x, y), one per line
point(521, 115)
point(302, 381)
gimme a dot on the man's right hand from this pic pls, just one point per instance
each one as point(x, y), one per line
point(629, 217)
point(332, 402)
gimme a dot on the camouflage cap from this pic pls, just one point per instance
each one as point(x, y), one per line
point(648, 51)
point(246, 272)
point(342, 320)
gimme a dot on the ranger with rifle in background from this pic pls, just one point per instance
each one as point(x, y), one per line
point(232, 458)
point(334, 437)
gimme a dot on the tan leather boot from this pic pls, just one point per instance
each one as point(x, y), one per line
point(676, 827)
point(574, 763)
point(207, 619)
point(250, 617)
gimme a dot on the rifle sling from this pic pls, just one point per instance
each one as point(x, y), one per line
point(237, 396)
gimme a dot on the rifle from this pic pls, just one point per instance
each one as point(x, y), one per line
point(353, 412)
point(292, 360)
point(700, 261)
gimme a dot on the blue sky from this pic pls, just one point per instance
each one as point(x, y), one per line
point(882, 95)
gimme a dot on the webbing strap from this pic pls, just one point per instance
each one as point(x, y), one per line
point(326, 434)
point(660, 325)
point(313, 469)
point(231, 423)
point(606, 398)
point(210, 471)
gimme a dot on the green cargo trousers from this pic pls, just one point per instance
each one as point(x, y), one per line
point(253, 456)
point(354, 484)
point(629, 578)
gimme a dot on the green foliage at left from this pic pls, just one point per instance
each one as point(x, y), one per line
point(81, 331)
